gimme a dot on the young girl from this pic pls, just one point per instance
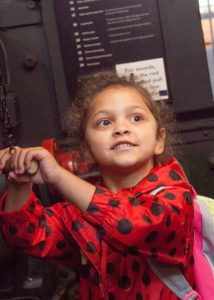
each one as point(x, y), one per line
point(119, 223)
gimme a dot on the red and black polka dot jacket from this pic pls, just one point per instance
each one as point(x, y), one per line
point(116, 234)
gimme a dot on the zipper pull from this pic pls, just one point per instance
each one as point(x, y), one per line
point(102, 293)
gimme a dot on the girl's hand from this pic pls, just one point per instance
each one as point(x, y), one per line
point(21, 159)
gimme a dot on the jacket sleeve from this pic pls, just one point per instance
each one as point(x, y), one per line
point(158, 226)
point(40, 232)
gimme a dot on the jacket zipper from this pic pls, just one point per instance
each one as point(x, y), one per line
point(102, 275)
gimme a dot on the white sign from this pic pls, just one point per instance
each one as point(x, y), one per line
point(150, 72)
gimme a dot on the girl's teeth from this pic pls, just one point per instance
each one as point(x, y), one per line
point(122, 146)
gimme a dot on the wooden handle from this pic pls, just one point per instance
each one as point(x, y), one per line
point(34, 166)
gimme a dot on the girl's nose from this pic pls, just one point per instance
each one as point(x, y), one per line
point(121, 130)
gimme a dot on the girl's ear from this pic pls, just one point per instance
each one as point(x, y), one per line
point(161, 136)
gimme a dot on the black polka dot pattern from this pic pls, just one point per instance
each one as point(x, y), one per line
point(134, 201)
point(61, 244)
point(138, 195)
point(31, 228)
point(188, 198)
point(49, 212)
point(187, 249)
point(170, 196)
point(38, 202)
point(110, 268)
point(99, 191)
point(76, 225)
point(66, 205)
point(172, 252)
point(175, 209)
point(157, 209)
point(146, 279)
point(41, 245)
point(98, 235)
point(124, 282)
point(13, 230)
point(147, 219)
point(183, 241)
point(91, 248)
point(48, 231)
point(152, 178)
point(133, 251)
point(139, 296)
point(32, 207)
point(111, 296)
point(96, 279)
point(124, 226)
point(42, 221)
point(113, 202)
point(171, 237)
point(151, 237)
point(168, 221)
point(92, 208)
point(174, 175)
point(191, 260)
point(101, 230)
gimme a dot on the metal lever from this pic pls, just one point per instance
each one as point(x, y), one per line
point(34, 166)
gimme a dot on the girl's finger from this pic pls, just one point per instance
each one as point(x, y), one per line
point(15, 159)
point(29, 157)
point(31, 164)
point(21, 158)
point(13, 177)
point(4, 157)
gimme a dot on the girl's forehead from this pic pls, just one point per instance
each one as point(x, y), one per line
point(118, 98)
point(121, 93)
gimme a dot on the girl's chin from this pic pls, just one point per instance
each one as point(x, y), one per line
point(127, 166)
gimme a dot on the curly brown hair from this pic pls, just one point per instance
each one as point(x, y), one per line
point(92, 85)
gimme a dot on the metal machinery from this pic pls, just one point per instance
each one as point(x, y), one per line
point(39, 74)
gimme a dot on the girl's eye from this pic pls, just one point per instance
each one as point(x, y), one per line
point(103, 123)
point(136, 118)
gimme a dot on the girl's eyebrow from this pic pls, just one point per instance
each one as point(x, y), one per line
point(108, 112)
point(100, 112)
point(132, 107)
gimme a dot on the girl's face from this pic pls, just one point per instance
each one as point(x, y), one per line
point(121, 131)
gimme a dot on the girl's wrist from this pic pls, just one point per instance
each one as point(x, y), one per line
point(58, 176)
point(17, 186)
point(17, 195)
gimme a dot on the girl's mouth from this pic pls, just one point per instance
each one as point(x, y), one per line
point(122, 145)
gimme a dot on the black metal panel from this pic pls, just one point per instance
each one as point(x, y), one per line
point(30, 70)
point(185, 55)
point(198, 162)
point(196, 153)
point(19, 13)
